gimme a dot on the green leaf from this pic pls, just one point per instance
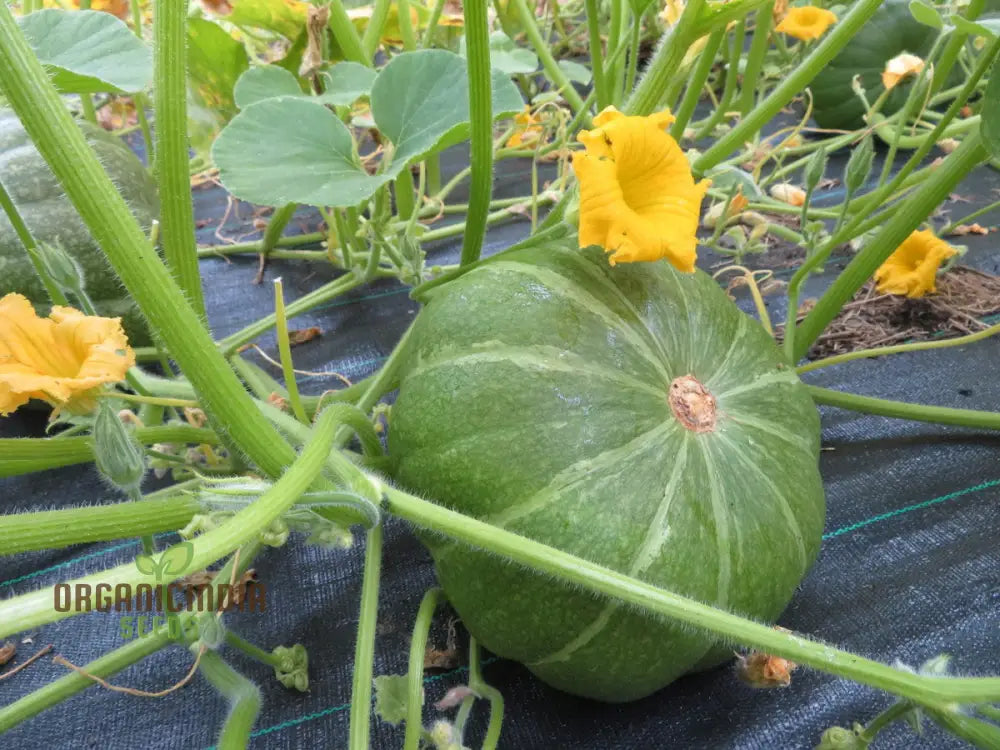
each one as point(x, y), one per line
point(926, 14)
point(987, 27)
point(88, 51)
point(264, 82)
point(507, 56)
point(989, 125)
point(420, 101)
point(291, 150)
point(175, 560)
point(725, 177)
point(285, 18)
point(215, 63)
point(346, 82)
point(391, 698)
point(576, 72)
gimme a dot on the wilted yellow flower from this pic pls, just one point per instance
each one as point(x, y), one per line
point(912, 268)
point(528, 130)
point(806, 22)
point(61, 359)
point(900, 67)
point(638, 199)
point(671, 12)
point(790, 194)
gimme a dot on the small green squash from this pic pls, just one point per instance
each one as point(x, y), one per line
point(633, 416)
point(891, 31)
point(51, 218)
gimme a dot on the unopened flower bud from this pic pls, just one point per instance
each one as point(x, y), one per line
point(117, 453)
point(815, 168)
point(859, 166)
point(757, 233)
point(838, 738)
point(790, 194)
point(61, 267)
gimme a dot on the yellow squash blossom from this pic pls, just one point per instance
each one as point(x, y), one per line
point(638, 199)
point(790, 194)
point(912, 268)
point(900, 67)
point(806, 22)
point(61, 359)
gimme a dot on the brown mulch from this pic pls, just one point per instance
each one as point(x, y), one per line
point(964, 296)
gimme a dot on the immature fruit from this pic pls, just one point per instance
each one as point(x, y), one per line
point(51, 218)
point(632, 416)
point(891, 31)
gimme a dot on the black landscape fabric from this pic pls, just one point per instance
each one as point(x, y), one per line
point(909, 567)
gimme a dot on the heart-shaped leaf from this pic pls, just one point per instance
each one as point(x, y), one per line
point(507, 56)
point(87, 51)
point(291, 150)
point(264, 82)
point(346, 82)
point(420, 101)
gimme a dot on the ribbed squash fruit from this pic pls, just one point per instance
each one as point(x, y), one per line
point(51, 218)
point(890, 32)
point(633, 416)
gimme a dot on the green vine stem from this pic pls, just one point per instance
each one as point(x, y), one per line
point(696, 83)
point(346, 35)
point(596, 55)
point(919, 346)
point(30, 246)
point(428, 39)
point(790, 87)
point(25, 455)
point(53, 529)
point(905, 218)
point(541, 47)
point(901, 410)
point(36, 608)
point(606, 582)
point(482, 689)
point(139, 97)
point(285, 353)
point(171, 160)
point(72, 683)
point(721, 110)
point(956, 42)
point(415, 674)
point(279, 220)
point(364, 649)
point(755, 57)
point(406, 25)
point(41, 111)
point(477, 34)
point(243, 696)
point(666, 61)
point(372, 36)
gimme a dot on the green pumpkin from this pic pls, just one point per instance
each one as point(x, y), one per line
point(890, 32)
point(633, 416)
point(51, 218)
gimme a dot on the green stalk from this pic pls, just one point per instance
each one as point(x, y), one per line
point(415, 674)
point(279, 220)
point(920, 346)
point(477, 35)
point(428, 40)
point(696, 83)
point(633, 57)
point(346, 35)
point(41, 110)
point(901, 410)
point(243, 696)
point(373, 34)
point(218, 251)
point(790, 87)
point(30, 246)
point(729, 89)
point(25, 455)
point(36, 608)
point(177, 233)
point(364, 650)
point(72, 683)
point(482, 689)
point(541, 47)
point(54, 529)
point(596, 55)
point(905, 219)
point(603, 581)
point(254, 652)
point(613, 70)
point(331, 290)
point(956, 41)
point(406, 25)
point(404, 194)
point(950, 227)
point(661, 71)
point(285, 353)
point(755, 57)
